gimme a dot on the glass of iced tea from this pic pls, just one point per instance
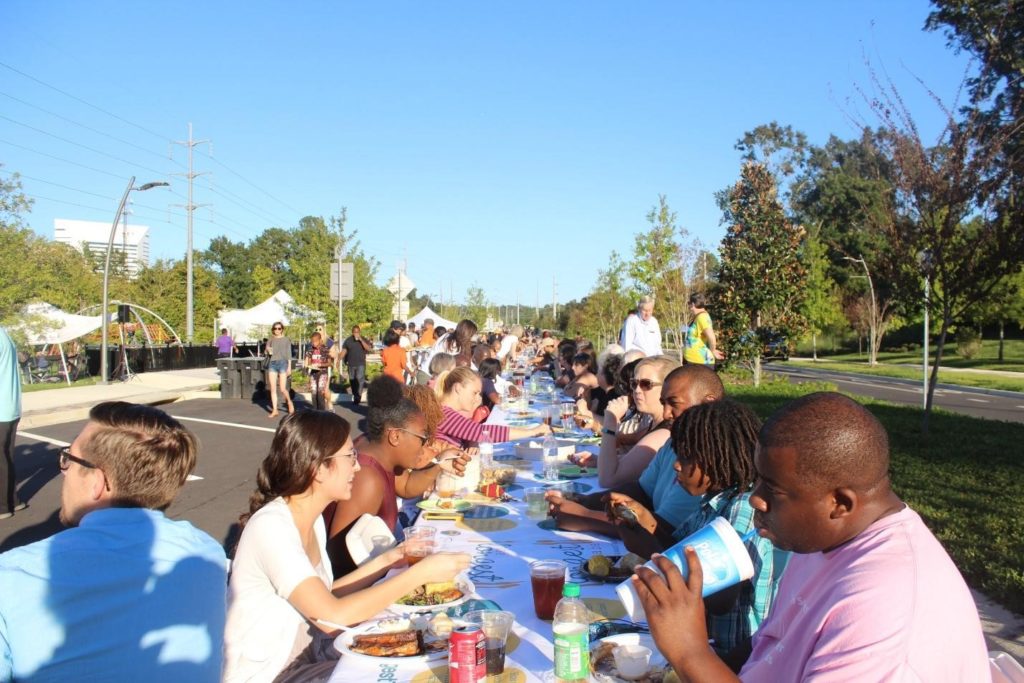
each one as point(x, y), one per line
point(446, 485)
point(547, 577)
point(419, 542)
point(496, 627)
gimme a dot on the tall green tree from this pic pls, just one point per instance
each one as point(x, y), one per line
point(762, 280)
point(823, 303)
point(160, 288)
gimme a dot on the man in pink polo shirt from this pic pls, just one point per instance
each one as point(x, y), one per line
point(869, 595)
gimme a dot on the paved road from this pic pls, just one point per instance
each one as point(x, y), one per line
point(992, 405)
point(234, 437)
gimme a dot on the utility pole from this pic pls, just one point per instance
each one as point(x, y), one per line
point(189, 208)
point(517, 309)
point(554, 298)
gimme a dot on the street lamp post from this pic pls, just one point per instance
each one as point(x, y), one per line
point(106, 270)
point(925, 259)
point(874, 312)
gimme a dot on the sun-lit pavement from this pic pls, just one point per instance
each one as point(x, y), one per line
point(234, 437)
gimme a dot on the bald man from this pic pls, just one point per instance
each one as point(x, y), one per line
point(869, 595)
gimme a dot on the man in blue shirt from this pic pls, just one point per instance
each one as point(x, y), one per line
point(10, 414)
point(126, 594)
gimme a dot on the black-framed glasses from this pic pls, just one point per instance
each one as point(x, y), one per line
point(66, 458)
point(644, 384)
point(422, 437)
point(352, 455)
point(277, 329)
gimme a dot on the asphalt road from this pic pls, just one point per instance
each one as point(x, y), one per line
point(234, 438)
point(984, 403)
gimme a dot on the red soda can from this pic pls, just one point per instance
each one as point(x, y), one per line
point(467, 650)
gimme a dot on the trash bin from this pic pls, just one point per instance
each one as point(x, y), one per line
point(251, 373)
point(230, 378)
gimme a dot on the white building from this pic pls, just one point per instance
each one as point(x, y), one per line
point(133, 242)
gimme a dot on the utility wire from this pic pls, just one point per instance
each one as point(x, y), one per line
point(90, 128)
point(68, 161)
point(88, 104)
point(66, 187)
point(221, 188)
point(250, 210)
point(254, 185)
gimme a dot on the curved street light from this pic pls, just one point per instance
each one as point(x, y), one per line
point(106, 269)
point(874, 310)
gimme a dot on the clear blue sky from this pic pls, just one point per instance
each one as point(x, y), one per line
point(491, 143)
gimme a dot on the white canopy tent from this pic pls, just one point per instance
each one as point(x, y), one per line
point(43, 323)
point(253, 324)
point(427, 312)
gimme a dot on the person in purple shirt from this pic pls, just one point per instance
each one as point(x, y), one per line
point(225, 344)
point(869, 593)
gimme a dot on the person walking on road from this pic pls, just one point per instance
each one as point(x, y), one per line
point(353, 353)
point(225, 344)
point(701, 345)
point(10, 414)
point(279, 349)
point(641, 332)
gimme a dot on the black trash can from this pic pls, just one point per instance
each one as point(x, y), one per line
point(230, 378)
point(251, 372)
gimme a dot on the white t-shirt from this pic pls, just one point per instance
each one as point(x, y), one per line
point(641, 335)
point(264, 633)
point(508, 345)
point(404, 342)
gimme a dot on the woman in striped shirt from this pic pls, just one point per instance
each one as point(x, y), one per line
point(459, 391)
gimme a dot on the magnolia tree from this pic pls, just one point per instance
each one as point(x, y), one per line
point(762, 279)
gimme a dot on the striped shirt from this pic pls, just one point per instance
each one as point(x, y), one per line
point(462, 432)
point(742, 621)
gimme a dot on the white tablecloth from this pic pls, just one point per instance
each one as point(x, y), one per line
point(502, 547)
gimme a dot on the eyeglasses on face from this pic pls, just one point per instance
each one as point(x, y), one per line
point(352, 455)
point(276, 329)
point(422, 437)
point(644, 384)
point(66, 458)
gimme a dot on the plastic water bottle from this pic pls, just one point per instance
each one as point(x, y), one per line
point(486, 447)
point(571, 627)
point(549, 451)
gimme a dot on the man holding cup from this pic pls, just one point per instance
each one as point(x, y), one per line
point(869, 594)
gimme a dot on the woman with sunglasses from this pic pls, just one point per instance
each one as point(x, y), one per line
point(279, 350)
point(389, 455)
point(282, 596)
point(613, 469)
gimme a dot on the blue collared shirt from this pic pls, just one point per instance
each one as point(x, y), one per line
point(732, 628)
point(128, 595)
point(10, 380)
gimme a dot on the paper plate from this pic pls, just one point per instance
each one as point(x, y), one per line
point(608, 675)
point(343, 644)
point(432, 505)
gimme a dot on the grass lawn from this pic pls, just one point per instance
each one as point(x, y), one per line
point(45, 386)
point(966, 481)
point(946, 375)
point(987, 358)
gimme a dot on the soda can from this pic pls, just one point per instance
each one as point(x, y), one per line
point(467, 655)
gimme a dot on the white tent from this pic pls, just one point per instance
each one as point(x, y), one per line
point(252, 324)
point(428, 313)
point(44, 323)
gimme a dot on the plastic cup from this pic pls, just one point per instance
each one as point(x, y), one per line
point(496, 627)
point(419, 542)
point(547, 577)
point(632, 661)
point(536, 506)
point(723, 557)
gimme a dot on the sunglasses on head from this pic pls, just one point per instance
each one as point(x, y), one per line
point(644, 384)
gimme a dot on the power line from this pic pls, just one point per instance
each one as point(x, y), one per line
point(68, 161)
point(88, 104)
point(258, 214)
point(79, 144)
point(254, 185)
point(66, 187)
point(221, 188)
point(89, 128)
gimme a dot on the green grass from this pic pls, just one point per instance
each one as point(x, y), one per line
point(965, 480)
point(46, 386)
point(946, 375)
point(986, 359)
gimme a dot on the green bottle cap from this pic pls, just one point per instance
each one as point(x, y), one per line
point(571, 590)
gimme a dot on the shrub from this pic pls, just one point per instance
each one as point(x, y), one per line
point(968, 342)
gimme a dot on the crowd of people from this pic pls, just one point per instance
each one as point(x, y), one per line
point(848, 582)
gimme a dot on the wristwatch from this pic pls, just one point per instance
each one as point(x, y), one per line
point(609, 432)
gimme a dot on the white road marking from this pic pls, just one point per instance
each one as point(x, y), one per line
point(65, 444)
point(978, 400)
point(224, 424)
point(44, 439)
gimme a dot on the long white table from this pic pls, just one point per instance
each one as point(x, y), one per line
point(503, 541)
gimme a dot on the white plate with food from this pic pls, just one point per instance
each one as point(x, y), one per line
point(603, 666)
point(435, 597)
point(398, 640)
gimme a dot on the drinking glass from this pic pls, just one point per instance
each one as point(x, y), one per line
point(536, 506)
point(419, 542)
point(547, 578)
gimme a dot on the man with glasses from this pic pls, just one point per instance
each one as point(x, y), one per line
point(125, 594)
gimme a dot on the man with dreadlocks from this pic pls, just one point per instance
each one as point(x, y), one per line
point(714, 445)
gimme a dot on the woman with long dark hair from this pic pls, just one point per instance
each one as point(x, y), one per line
point(458, 342)
point(281, 590)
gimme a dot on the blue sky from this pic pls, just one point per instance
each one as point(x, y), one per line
point(498, 144)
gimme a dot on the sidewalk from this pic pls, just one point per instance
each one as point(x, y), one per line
point(41, 408)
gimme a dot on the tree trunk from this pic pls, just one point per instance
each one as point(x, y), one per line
point(1001, 324)
point(814, 346)
point(757, 358)
point(934, 378)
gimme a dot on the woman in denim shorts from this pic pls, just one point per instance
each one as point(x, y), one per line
point(279, 350)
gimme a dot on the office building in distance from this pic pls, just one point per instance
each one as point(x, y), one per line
point(133, 241)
